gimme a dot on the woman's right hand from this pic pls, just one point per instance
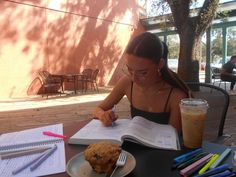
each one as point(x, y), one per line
point(107, 117)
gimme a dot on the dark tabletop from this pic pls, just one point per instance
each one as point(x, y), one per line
point(149, 162)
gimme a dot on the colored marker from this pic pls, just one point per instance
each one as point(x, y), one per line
point(216, 170)
point(195, 170)
point(188, 161)
point(188, 155)
point(221, 158)
point(205, 168)
point(194, 159)
point(54, 134)
point(225, 173)
point(195, 164)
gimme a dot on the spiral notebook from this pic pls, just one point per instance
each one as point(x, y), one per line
point(33, 138)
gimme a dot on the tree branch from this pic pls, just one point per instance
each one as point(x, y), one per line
point(206, 16)
point(180, 11)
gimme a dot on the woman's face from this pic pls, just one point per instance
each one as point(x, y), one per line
point(142, 71)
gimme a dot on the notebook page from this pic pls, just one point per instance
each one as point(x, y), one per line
point(54, 164)
point(29, 136)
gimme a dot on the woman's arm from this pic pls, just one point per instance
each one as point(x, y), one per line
point(175, 116)
point(103, 112)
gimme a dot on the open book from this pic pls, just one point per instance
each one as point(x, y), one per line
point(138, 130)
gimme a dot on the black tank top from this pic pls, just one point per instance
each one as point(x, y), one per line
point(158, 117)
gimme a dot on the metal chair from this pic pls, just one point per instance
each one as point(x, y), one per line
point(218, 100)
point(89, 77)
point(93, 79)
point(51, 84)
point(216, 76)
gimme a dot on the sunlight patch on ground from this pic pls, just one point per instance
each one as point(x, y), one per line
point(58, 101)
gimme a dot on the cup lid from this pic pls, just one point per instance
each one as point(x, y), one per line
point(193, 102)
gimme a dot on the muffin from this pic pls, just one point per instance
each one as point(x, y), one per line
point(102, 156)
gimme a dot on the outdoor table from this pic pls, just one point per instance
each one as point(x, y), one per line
point(73, 78)
point(149, 162)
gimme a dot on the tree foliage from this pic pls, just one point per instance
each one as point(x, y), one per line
point(190, 25)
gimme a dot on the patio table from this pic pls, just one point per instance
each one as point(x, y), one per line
point(149, 162)
point(74, 77)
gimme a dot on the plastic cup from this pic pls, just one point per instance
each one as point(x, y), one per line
point(193, 115)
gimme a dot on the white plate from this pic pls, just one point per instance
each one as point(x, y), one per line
point(77, 166)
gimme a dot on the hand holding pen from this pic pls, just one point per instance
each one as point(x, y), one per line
point(114, 111)
point(107, 117)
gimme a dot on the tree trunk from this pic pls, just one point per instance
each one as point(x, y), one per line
point(188, 68)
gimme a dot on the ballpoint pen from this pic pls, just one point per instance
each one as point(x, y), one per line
point(114, 110)
point(43, 158)
point(34, 163)
point(20, 168)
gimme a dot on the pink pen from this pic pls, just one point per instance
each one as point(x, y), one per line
point(54, 135)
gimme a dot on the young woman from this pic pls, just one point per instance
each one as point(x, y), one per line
point(154, 91)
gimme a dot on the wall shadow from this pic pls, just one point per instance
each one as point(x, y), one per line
point(63, 38)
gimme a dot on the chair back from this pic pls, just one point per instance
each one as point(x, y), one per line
point(218, 101)
point(88, 73)
point(215, 73)
point(95, 74)
point(46, 77)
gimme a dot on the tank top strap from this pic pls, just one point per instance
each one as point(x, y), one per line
point(168, 99)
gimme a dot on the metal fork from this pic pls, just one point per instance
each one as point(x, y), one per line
point(120, 162)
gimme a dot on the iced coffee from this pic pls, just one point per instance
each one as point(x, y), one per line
point(193, 115)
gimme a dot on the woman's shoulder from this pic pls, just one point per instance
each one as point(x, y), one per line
point(178, 94)
point(124, 83)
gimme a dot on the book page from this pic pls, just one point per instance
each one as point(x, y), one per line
point(95, 131)
point(151, 134)
point(55, 163)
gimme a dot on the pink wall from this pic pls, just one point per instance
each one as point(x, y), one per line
point(62, 36)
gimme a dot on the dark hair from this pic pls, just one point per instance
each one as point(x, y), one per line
point(148, 45)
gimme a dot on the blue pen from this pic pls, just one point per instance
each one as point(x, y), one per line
point(225, 173)
point(215, 170)
point(185, 156)
point(233, 174)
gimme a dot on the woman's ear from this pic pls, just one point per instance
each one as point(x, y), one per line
point(161, 63)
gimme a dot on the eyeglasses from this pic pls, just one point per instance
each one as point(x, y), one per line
point(140, 73)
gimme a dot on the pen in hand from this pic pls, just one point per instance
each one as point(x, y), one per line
point(114, 110)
